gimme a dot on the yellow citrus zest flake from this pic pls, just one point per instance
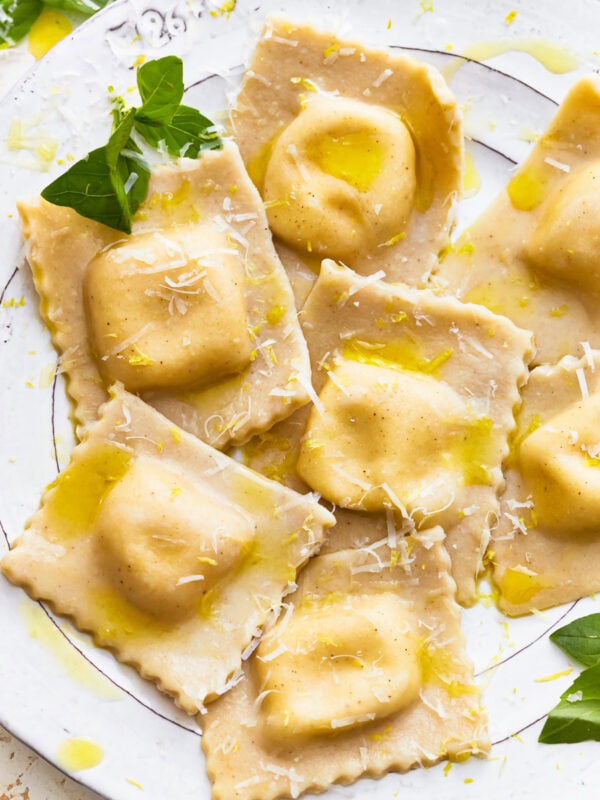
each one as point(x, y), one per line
point(425, 7)
point(275, 314)
point(510, 17)
point(175, 434)
point(466, 249)
point(139, 61)
point(329, 51)
point(468, 780)
point(389, 24)
point(225, 9)
point(175, 491)
point(13, 302)
point(140, 360)
point(447, 768)
point(559, 311)
point(394, 239)
point(305, 82)
point(210, 561)
point(159, 446)
point(554, 676)
point(377, 737)
point(275, 204)
point(134, 783)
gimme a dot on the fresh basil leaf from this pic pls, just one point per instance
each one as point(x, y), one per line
point(186, 134)
point(16, 19)
point(107, 185)
point(576, 718)
point(580, 639)
point(160, 83)
point(86, 7)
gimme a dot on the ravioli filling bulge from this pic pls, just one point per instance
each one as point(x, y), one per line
point(171, 555)
point(565, 240)
point(384, 436)
point(341, 178)
point(365, 644)
point(168, 310)
point(560, 463)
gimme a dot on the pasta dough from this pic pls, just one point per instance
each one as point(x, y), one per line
point(415, 403)
point(167, 551)
point(193, 310)
point(533, 254)
point(547, 542)
point(357, 153)
point(364, 673)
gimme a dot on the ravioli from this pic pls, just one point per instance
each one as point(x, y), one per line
point(193, 310)
point(413, 404)
point(533, 254)
point(547, 542)
point(357, 153)
point(165, 550)
point(365, 672)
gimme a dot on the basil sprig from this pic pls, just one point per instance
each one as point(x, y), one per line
point(162, 121)
point(17, 16)
point(111, 182)
point(576, 718)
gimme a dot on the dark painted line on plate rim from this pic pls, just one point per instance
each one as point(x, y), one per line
point(468, 60)
point(531, 643)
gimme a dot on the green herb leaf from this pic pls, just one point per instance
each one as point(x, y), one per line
point(580, 639)
point(186, 134)
point(109, 184)
point(16, 19)
point(160, 84)
point(577, 716)
point(86, 7)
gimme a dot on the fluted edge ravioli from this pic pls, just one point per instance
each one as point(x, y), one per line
point(255, 368)
point(373, 176)
point(430, 710)
point(168, 552)
point(546, 546)
point(532, 255)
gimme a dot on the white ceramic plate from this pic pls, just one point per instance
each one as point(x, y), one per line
point(54, 683)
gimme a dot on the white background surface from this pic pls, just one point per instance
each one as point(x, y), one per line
point(38, 700)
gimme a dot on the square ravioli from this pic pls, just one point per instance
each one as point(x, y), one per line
point(168, 552)
point(546, 548)
point(364, 673)
point(414, 407)
point(533, 255)
point(357, 153)
point(193, 311)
